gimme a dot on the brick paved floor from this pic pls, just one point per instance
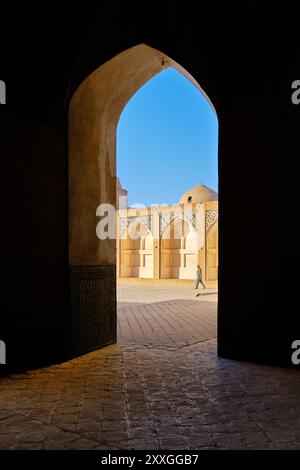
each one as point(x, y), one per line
point(161, 387)
point(167, 317)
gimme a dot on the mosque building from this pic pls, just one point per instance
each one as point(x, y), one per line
point(168, 242)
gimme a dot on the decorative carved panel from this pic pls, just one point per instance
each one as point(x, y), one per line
point(93, 307)
point(211, 217)
point(146, 220)
point(191, 218)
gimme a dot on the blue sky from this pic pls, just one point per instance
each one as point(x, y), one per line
point(167, 141)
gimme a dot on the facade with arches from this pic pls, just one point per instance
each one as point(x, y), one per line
point(168, 242)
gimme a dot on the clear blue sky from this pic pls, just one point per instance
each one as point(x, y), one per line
point(167, 141)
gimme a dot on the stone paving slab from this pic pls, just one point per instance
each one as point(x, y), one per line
point(151, 294)
point(167, 324)
point(146, 393)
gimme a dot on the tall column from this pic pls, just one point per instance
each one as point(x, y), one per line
point(156, 243)
point(182, 254)
point(201, 258)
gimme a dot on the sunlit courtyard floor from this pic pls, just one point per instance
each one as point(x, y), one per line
point(161, 387)
point(165, 317)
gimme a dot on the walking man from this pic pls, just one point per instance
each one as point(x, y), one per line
point(199, 278)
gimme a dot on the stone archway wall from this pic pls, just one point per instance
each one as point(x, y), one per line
point(93, 117)
point(251, 87)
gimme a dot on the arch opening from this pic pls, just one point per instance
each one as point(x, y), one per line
point(95, 109)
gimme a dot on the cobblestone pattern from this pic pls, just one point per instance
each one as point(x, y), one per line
point(168, 324)
point(133, 395)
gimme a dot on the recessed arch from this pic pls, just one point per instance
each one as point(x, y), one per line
point(178, 261)
point(212, 252)
point(136, 251)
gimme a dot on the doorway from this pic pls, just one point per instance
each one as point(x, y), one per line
point(95, 109)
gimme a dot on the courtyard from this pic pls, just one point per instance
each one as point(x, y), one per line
point(161, 386)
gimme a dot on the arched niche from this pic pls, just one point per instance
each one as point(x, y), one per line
point(178, 250)
point(136, 252)
point(212, 253)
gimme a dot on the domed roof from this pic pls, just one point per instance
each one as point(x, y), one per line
point(198, 195)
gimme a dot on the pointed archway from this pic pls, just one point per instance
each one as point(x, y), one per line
point(93, 117)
